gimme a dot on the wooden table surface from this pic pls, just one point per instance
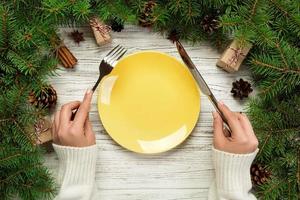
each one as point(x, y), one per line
point(185, 172)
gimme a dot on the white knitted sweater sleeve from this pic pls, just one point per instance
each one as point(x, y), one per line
point(77, 174)
point(232, 173)
point(77, 168)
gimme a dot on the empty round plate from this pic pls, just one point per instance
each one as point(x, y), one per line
point(149, 103)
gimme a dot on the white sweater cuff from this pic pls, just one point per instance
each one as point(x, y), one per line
point(77, 164)
point(233, 172)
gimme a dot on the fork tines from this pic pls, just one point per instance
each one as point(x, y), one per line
point(114, 55)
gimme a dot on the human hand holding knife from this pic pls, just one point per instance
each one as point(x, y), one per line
point(201, 82)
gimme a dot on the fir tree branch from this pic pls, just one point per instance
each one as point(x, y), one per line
point(6, 119)
point(230, 23)
point(282, 56)
point(4, 30)
point(19, 171)
point(253, 10)
point(9, 157)
point(284, 70)
point(30, 138)
point(276, 44)
point(16, 103)
point(264, 91)
point(298, 170)
point(266, 140)
point(285, 13)
point(275, 186)
point(281, 130)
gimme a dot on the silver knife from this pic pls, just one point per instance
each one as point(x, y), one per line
point(201, 82)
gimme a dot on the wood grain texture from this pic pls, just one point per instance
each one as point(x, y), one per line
point(182, 173)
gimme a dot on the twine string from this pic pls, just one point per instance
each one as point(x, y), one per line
point(234, 59)
point(40, 127)
point(103, 29)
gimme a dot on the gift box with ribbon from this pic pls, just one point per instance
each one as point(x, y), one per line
point(233, 56)
point(42, 133)
point(100, 30)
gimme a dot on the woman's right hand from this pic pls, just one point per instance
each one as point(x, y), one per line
point(242, 139)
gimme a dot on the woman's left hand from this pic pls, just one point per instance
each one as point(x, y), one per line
point(77, 132)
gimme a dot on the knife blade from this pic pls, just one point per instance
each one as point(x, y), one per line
point(201, 82)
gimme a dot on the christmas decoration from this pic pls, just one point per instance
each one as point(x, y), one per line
point(100, 30)
point(146, 15)
point(241, 89)
point(173, 35)
point(43, 135)
point(77, 36)
point(65, 56)
point(116, 24)
point(45, 99)
point(26, 62)
point(233, 57)
point(42, 129)
point(259, 174)
point(210, 22)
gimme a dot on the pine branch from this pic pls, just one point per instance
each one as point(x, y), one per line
point(253, 10)
point(9, 157)
point(285, 12)
point(280, 69)
point(4, 13)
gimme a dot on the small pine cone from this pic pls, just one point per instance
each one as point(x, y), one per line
point(210, 23)
point(45, 99)
point(241, 89)
point(259, 174)
point(117, 25)
point(173, 35)
point(146, 15)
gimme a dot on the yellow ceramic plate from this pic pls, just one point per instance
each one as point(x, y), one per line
point(149, 103)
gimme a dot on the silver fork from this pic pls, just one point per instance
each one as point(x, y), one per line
point(106, 66)
point(108, 63)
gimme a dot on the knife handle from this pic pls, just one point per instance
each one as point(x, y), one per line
point(215, 103)
point(226, 125)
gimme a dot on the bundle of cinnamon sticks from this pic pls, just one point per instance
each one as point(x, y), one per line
point(67, 59)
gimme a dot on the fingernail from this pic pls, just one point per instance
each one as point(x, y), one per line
point(214, 114)
point(88, 91)
point(221, 103)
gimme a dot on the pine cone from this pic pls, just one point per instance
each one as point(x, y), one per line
point(210, 22)
point(259, 174)
point(173, 35)
point(117, 25)
point(45, 99)
point(241, 89)
point(146, 16)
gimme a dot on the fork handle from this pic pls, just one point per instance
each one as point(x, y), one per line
point(97, 83)
point(93, 89)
